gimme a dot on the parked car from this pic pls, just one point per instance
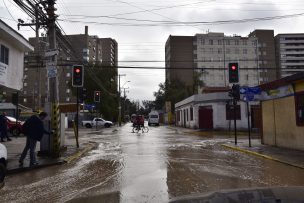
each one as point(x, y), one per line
point(153, 118)
point(13, 127)
point(98, 122)
point(3, 160)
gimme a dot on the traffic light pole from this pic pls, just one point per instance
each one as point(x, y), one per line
point(248, 117)
point(77, 116)
point(234, 115)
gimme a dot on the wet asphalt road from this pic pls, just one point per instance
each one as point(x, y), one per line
point(152, 167)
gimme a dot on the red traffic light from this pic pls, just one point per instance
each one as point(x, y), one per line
point(233, 67)
point(97, 93)
point(77, 70)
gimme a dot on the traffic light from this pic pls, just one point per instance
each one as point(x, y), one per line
point(236, 92)
point(77, 79)
point(233, 72)
point(97, 96)
point(83, 94)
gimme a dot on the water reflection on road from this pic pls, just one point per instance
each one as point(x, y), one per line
point(149, 167)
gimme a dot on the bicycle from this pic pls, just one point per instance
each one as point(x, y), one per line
point(137, 128)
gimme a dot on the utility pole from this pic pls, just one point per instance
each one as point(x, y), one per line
point(119, 99)
point(53, 97)
point(37, 54)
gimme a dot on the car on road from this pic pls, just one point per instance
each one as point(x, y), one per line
point(97, 122)
point(15, 128)
point(3, 160)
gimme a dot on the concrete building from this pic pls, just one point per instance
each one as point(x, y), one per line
point(13, 47)
point(109, 48)
point(84, 49)
point(266, 55)
point(206, 57)
point(289, 53)
point(179, 59)
point(283, 112)
point(211, 111)
point(214, 51)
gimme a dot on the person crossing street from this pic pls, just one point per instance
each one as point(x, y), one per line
point(33, 129)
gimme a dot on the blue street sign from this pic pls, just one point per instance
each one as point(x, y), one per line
point(253, 90)
point(249, 96)
point(89, 106)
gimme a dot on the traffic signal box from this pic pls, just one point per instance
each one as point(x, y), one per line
point(233, 72)
point(78, 74)
point(235, 92)
point(97, 96)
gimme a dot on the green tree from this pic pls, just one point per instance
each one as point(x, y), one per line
point(101, 78)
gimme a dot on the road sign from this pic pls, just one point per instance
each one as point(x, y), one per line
point(253, 90)
point(248, 97)
point(51, 52)
point(51, 71)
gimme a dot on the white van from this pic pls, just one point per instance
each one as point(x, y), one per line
point(153, 118)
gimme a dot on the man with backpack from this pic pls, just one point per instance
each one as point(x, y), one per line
point(33, 129)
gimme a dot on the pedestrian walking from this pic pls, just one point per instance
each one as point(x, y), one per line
point(3, 127)
point(33, 129)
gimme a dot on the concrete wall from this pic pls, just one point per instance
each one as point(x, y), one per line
point(279, 124)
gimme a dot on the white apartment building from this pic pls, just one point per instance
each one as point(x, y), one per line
point(289, 53)
point(214, 51)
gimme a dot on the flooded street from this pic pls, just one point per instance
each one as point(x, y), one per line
point(148, 167)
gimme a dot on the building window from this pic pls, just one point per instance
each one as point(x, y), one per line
point(24, 92)
point(191, 113)
point(219, 42)
point(210, 41)
point(253, 43)
point(244, 42)
point(299, 109)
point(237, 51)
point(4, 54)
point(236, 42)
point(219, 51)
point(228, 42)
point(244, 51)
point(228, 51)
point(230, 112)
point(25, 84)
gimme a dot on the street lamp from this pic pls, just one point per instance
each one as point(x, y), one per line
point(119, 108)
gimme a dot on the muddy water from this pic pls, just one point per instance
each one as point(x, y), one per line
point(150, 167)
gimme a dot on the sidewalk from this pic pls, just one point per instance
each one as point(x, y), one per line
point(283, 155)
point(15, 148)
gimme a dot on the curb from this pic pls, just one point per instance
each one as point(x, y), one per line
point(77, 155)
point(261, 155)
point(61, 161)
point(24, 169)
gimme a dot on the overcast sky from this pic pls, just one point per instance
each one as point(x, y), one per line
point(125, 22)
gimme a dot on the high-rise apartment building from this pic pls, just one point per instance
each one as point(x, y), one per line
point(109, 48)
point(179, 59)
point(83, 49)
point(289, 53)
point(208, 56)
point(214, 51)
point(266, 55)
